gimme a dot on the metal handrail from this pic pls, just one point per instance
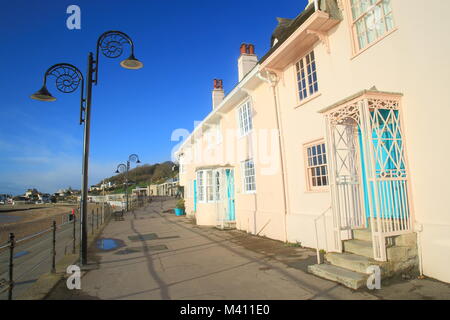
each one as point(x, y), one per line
point(34, 235)
point(10, 284)
point(319, 260)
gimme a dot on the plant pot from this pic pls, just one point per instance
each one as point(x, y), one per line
point(179, 212)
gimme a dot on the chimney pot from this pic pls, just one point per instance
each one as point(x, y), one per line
point(218, 84)
point(251, 49)
point(243, 48)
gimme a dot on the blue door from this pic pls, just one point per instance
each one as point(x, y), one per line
point(230, 194)
point(389, 179)
point(195, 195)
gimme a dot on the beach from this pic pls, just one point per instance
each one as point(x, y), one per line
point(25, 220)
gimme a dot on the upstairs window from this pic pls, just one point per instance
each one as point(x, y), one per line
point(316, 166)
point(307, 76)
point(245, 118)
point(371, 20)
point(248, 170)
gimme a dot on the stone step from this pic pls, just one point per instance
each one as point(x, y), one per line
point(352, 261)
point(362, 234)
point(359, 247)
point(348, 278)
point(227, 225)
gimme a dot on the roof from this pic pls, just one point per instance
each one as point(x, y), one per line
point(286, 27)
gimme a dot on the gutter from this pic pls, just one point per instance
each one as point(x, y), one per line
point(273, 85)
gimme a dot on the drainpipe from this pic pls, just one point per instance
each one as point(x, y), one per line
point(419, 229)
point(273, 84)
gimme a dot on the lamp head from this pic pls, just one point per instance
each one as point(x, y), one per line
point(43, 95)
point(117, 171)
point(138, 161)
point(132, 63)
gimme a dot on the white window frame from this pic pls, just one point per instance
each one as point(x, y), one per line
point(360, 19)
point(317, 161)
point(201, 195)
point(208, 187)
point(246, 178)
point(245, 118)
point(306, 77)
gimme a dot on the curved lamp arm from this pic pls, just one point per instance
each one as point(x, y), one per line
point(67, 79)
point(111, 44)
point(121, 168)
point(134, 158)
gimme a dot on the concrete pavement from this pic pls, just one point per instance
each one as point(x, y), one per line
point(161, 256)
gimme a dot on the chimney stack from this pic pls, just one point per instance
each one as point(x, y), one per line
point(247, 60)
point(217, 94)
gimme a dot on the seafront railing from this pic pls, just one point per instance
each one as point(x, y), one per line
point(42, 247)
point(45, 246)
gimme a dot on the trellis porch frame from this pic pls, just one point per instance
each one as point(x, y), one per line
point(368, 168)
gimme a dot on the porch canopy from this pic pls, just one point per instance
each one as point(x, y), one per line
point(368, 168)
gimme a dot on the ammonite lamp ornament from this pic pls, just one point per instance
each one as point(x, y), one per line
point(67, 79)
point(111, 45)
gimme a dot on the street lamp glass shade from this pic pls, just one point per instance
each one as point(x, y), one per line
point(132, 63)
point(43, 95)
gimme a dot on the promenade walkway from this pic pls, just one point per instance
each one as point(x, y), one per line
point(162, 256)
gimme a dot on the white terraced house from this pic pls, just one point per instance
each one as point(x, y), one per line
point(337, 138)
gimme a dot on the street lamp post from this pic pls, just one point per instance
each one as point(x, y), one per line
point(124, 168)
point(68, 79)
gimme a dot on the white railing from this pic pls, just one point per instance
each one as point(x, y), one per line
point(322, 215)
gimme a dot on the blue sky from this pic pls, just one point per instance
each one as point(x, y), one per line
point(183, 44)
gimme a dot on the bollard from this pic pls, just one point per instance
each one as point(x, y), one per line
point(92, 221)
point(74, 234)
point(12, 243)
point(54, 248)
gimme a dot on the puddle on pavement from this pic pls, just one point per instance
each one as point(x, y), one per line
point(20, 254)
point(109, 244)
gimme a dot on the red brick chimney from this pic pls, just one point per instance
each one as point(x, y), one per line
point(218, 94)
point(247, 60)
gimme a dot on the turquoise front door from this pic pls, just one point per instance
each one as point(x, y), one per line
point(230, 194)
point(385, 193)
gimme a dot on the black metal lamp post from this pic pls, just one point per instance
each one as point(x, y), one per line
point(122, 168)
point(68, 79)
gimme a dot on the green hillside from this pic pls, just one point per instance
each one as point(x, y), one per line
point(147, 174)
